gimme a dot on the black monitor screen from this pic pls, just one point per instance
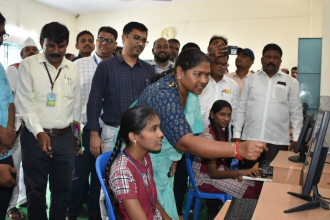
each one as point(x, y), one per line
point(317, 152)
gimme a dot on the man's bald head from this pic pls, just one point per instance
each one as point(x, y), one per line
point(161, 50)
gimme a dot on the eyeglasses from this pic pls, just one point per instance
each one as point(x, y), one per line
point(222, 65)
point(137, 39)
point(5, 37)
point(108, 40)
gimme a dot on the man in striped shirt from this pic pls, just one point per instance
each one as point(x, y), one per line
point(85, 163)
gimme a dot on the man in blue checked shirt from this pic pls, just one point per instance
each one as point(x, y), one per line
point(7, 134)
point(85, 163)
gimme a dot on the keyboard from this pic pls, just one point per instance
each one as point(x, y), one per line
point(241, 209)
point(265, 165)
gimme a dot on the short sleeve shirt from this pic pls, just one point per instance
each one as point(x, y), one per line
point(126, 183)
point(164, 98)
point(6, 97)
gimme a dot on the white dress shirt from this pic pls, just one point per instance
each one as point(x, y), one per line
point(226, 89)
point(86, 67)
point(159, 69)
point(266, 107)
point(33, 86)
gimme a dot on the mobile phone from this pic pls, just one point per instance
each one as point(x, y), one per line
point(231, 50)
point(170, 172)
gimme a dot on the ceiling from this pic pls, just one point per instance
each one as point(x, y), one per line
point(92, 6)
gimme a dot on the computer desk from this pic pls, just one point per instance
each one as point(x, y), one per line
point(288, 172)
point(274, 199)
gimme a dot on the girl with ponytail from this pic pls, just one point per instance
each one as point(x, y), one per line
point(129, 175)
point(214, 175)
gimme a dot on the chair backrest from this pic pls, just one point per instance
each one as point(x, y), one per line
point(100, 165)
point(189, 161)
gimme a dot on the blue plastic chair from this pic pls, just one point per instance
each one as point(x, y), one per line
point(195, 193)
point(100, 165)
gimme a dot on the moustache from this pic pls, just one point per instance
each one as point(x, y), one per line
point(54, 55)
point(87, 46)
point(31, 54)
point(162, 53)
point(271, 64)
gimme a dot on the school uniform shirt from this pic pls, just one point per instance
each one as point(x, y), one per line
point(159, 69)
point(126, 183)
point(33, 87)
point(6, 98)
point(237, 79)
point(226, 89)
point(266, 107)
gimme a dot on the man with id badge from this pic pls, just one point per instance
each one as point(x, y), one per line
point(269, 101)
point(85, 161)
point(48, 95)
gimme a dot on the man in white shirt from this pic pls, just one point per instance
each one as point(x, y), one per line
point(220, 87)
point(243, 62)
point(85, 163)
point(269, 101)
point(29, 48)
point(48, 95)
point(161, 52)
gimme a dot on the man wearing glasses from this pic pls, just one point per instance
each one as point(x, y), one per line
point(220, 87)
point(85, 163)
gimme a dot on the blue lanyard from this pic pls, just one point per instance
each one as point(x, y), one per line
point(97, 63)
point(155, 68)
point(152, 198)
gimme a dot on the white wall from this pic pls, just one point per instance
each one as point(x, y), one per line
point(252, 24)
point(325, 70)
point(25, 18)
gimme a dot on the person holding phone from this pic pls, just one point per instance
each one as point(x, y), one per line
point(214, 175)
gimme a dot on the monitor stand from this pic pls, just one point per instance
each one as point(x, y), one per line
point(302, 156)
point(315, 201)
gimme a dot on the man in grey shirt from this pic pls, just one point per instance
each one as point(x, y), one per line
point(161, 52)
point(269, 101)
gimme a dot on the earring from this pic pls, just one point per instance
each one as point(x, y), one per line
point(134, 143)
point(179, 77)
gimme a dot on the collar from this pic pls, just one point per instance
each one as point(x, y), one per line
point(121, 59)
point(79, 56)
point(278, 73)
point(42, 58)
point(99, 60)
point(222, 80)
point(143, 169)
point(169, 63)
point(235, 75)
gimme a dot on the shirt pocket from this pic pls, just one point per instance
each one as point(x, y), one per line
point(69, 87)
point(280, 93)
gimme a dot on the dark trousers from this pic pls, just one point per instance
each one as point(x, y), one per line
point(5, 193)
point(180, 183)
point(37, 167)
point(266, 155)
point(85, 165)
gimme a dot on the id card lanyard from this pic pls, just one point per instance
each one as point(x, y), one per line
point(152, 198)
point(95, 60)
point(50, 78)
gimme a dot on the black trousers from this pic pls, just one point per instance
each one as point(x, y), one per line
point(5, 193)
point(266, 155)
point(180, 183)
point(84, 166)
point(37, 167)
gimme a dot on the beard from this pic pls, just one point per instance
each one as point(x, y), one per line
point(162, 59)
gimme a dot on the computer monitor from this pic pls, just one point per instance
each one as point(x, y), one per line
point(317, 154)
point(303, 139)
